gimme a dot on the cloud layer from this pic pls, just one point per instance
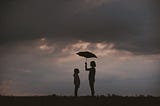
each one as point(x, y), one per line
point(130, 25)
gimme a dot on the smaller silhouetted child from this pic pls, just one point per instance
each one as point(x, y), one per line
point(76, 81)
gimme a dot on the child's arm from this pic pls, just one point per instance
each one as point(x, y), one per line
point(87, 69)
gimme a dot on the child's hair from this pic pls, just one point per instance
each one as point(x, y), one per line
point(93, 63)
point(76, 70)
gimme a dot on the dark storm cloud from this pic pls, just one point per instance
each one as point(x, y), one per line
point(130, 25)
point(156, 20)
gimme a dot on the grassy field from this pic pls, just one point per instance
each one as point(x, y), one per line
point(79, 101)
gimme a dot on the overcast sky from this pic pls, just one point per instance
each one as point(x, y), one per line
point(39, 40)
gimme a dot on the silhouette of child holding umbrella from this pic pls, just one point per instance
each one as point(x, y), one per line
point(76, 81)
point(91, 77)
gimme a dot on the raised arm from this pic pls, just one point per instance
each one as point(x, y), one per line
point(87, 69)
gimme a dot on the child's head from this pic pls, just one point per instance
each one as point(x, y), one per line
point(92, 64)
point(76, 70)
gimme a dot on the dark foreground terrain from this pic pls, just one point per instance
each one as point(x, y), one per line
point(79, 101)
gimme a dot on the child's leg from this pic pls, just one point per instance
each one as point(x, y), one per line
point(91, 83)
point(75, 90)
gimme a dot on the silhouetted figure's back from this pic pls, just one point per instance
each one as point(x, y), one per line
point(92, 72)
point(76, 81)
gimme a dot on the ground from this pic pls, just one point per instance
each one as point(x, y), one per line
point(79, 101)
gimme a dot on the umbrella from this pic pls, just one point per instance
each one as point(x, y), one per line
point(87, 54)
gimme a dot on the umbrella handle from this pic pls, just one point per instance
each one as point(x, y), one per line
point(86, 60)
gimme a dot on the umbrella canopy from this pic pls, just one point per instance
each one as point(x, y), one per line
point(87, 54)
